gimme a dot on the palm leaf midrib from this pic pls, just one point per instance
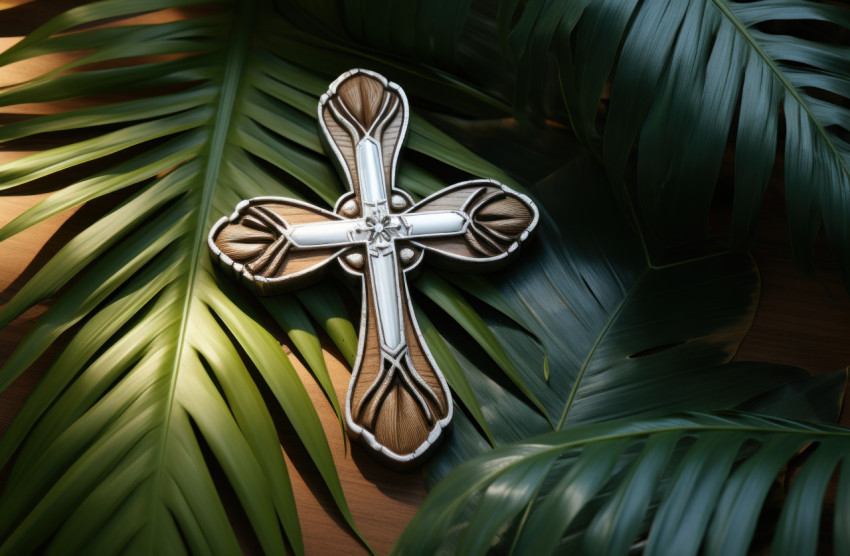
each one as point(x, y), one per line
point(752, 41)
point(599, 339)
point(627, 297)
point(234, 59)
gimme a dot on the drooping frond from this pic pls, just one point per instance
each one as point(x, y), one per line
point(686, 77)
point(686, 484)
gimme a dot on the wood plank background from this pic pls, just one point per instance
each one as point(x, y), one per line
point(800, 321)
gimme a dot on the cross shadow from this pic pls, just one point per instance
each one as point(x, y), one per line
point(84, 217)
point(395, 484)
point(24, 18)
point(6, 118)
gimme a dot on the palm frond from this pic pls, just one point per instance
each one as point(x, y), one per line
point(152, 378)
point(111, 451)
point(686, 75)
point(679, 484)
point(640, 341)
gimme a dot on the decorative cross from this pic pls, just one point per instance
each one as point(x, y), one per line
point(398, 401)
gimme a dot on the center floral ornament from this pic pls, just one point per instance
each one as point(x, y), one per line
point(398, 402)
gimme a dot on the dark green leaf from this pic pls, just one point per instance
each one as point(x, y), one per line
point(676, 477)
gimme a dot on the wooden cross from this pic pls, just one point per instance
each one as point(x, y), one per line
point(398, 401)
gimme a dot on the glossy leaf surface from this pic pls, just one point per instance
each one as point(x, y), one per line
point(698, 479)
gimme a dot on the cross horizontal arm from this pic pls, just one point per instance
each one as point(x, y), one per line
point(436, 223)
point(325, 234)
point(496, 221)
point(360, 230)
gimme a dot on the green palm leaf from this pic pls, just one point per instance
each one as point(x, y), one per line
point(697, 481)
point(152, 377)
point(682, 74)
point(113, 456)
point(623, 337)
point(110, 452)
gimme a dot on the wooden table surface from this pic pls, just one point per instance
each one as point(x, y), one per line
point(800, 321)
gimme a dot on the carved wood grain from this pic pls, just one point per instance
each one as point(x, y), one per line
point(400, 425)
point(453, 199)
point(365, 105)
point(244, 244)
point(499, 219)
